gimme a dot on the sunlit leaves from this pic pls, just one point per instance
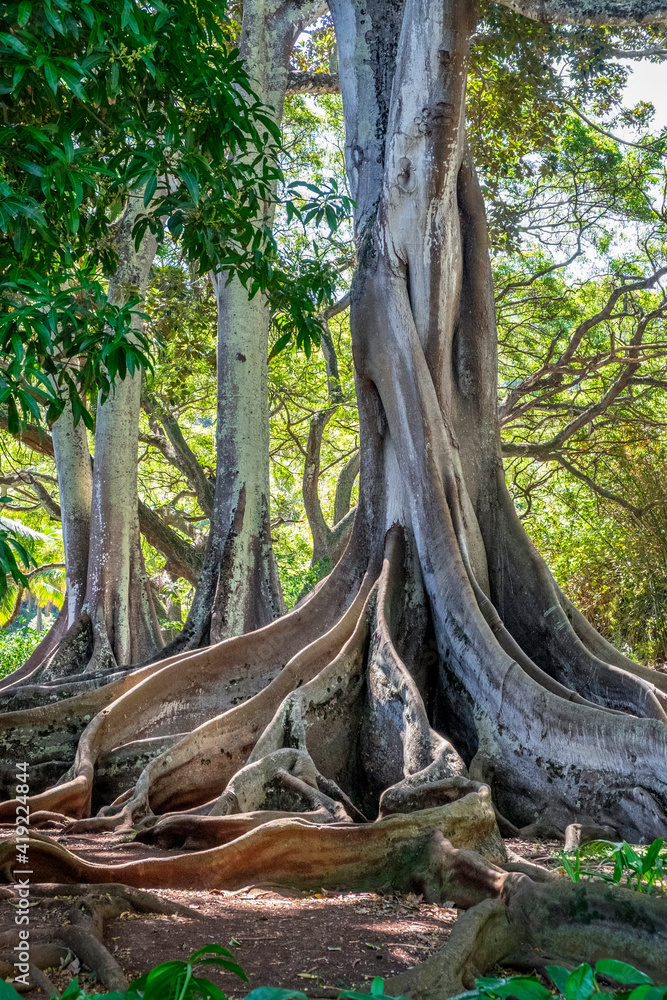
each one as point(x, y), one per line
point(98, 99)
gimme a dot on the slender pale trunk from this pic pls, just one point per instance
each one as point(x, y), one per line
point(118, 600)
point(239, 589)
point(75, 487)
point(110, 617)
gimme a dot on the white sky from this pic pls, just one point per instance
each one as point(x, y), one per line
point(648, 82)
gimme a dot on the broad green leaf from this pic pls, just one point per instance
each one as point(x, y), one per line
point(651, 855)
point(523, 988)
point(646, 992)
point(620, 971)
point(273, 993)
point(25, 10)
point(14, 43)
point(7, 991)
point(580, 984)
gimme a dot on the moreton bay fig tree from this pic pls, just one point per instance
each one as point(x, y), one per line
point(437, 678)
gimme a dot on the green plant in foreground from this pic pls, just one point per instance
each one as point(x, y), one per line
point(176, 981)
point(643, 869)
point(580, 984)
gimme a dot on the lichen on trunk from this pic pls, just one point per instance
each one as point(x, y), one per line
point(110, 618)
point(437, 673)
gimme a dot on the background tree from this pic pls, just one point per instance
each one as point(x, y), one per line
point(437, 556)
point(178, 170)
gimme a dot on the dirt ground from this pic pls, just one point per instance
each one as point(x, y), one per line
point(316, 942)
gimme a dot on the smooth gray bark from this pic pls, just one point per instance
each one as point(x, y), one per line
point(238, 588)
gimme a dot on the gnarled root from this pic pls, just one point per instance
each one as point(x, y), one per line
point(175, 696)
point(529, 921)
point(402, 850)
point(83, 935)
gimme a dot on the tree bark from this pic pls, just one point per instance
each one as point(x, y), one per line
point(238, 588)
point(438, 668)
point(111, 619)
point(75, 488)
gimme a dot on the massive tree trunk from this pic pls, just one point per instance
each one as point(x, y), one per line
point(437, 668)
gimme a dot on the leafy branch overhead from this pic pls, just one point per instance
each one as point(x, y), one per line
point(98, 102)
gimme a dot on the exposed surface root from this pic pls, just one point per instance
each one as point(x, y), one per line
point(83, 934)
point(163, 699)
point(198, 833)
point(404, 851)
point(569, 923)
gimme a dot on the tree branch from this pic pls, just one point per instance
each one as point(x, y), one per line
point(32, 436)
point(302, 82)
point(651, 146)
point(591, 12)
point(638, 53)
point(600, 490)
point(553, 372)
point(178, 453)
point(182, 558)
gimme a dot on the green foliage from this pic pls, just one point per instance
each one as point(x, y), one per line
point(16, 646)
point(612, 565)
point(13, 553)
point(642, 869)
point(176, 981)
point(172, 980)
point(377, 990)
point(98, 100)
point(579, 984)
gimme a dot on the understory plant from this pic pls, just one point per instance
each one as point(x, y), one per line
point(642, 869)
point(176, 980)
point(16, 647)
point(582, 983)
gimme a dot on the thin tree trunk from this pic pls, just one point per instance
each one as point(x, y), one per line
point(238, 588)
point(75, 487)
point(118, 599)
point(111, 620)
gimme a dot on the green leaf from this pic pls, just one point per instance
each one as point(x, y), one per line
point(51, 76)
point(279, 345)
point(620, 971)
point(651, 856)
point(14, 43)
point(377, 986)
point(7, 991)
point(73, 991)
point(149, 190)
point(648, 993)
point(273, 993)
point(190, 181)
point(632, 859)
point(580, 984)
point(25, 10)
point(523, 988)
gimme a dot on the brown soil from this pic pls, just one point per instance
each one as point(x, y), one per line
point(316, 942)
